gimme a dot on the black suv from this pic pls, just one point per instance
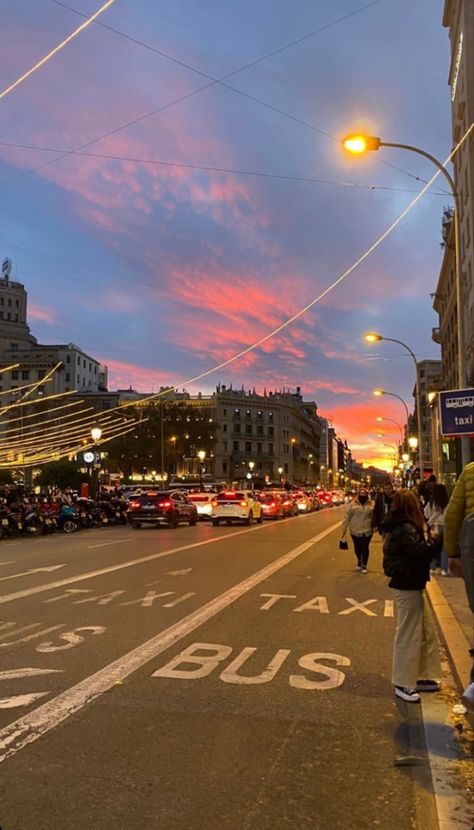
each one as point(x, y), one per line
point(167, 507)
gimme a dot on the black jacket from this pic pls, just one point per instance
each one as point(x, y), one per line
point(381, 509)
point(406, 555)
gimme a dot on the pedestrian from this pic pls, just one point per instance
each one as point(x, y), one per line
point(382, 505)
point(434, 515)
point(358, 519)
point(406, 560)
point(459, 544)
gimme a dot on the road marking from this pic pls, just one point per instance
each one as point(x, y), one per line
point(11, 562)
point(39, 589)
point(116, 542)
point(15, 701)
point(32, 726)
point(179, 573)
point(33, 571)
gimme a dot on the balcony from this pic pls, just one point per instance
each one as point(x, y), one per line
point(436, 335)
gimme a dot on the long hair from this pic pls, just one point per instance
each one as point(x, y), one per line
point(406, 506)
point(439, 497)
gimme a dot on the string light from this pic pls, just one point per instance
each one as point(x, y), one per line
point(56, 48)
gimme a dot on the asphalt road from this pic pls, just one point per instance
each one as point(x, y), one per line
point(202, 678)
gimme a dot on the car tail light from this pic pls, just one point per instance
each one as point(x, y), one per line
point(214, 503)
point(134, 505)
point(244, 503)
point(166, 504)
point(272, 504)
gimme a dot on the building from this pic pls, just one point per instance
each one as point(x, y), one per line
point(429, 380)
point(458, 18)
point(14, 330)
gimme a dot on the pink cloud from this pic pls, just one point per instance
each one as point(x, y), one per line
point(43, 313)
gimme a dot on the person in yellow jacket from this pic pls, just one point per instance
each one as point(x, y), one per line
point(460, 505)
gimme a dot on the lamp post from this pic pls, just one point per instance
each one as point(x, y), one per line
point(381, 418)
point(379, 392)
point(358, 144)
point(280, 473)
point(96, 435)
point(201, 456)
point(371, 337)
point(251, 468)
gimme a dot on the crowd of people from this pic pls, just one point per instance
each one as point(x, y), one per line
point(422, 530)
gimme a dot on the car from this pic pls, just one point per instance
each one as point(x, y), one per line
point(303, 503)
point(203, 504)
point(272, 506)
point(325, 498)
point(236, 505)
point(166, 507)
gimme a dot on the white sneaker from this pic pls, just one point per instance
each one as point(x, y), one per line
point(444, 572)
point(410, 695)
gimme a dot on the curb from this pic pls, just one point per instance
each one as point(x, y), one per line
point(452, 635)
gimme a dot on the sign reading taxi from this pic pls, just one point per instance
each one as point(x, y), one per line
point(456, 412)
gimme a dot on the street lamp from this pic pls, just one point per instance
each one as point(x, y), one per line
point(358, 144)
point(371, 337)
point(96, 435)
point(251, 468)
point(379, 392)
point(280, 473)
point(201, 456)
point(381, 418)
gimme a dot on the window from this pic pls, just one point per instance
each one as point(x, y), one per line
point(259, 448)
point(286, 448)
point(68, 358)
point(224, 412)
point(237, 429)
point(15, 375)
point(224, 466)
point(236, 446)
point(270, 432)
point(25, 375)
point(17, 304)
point(270, 449)
point(224, 427)
point(78, 360)
point(68, 377)
point(248, 429)
point(90, 367)
point(224, 444)
point(248, 447)
point(259, 429)
point(78, 380)
point(84, 363)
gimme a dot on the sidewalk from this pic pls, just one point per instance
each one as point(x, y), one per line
point(447, 595)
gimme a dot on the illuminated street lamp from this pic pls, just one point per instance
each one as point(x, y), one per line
point(280, 473)
point(379, 392)
point(96, 435)
point(372, 337)
point(359, 144)
point(381, 418)
point(201, 455)
point(251, 468)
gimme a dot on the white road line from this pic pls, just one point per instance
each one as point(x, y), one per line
point(32, 726)
point(116, 542)
point(13, 674)
point(11, 562)
point(39, 589)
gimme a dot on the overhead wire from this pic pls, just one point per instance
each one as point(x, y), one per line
point(211, 169)
point(212, 82)
point(56, 49)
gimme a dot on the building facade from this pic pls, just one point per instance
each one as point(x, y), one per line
point(429, 380)
point(458, 18)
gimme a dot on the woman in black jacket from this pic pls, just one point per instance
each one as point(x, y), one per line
point(406, 560)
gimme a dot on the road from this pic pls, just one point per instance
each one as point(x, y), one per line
point(202, 678)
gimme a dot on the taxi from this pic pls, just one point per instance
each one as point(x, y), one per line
point(235, 506)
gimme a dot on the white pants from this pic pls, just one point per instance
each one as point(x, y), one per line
point(415, 649)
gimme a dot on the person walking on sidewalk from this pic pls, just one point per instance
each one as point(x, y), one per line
point(382, 505)
point(406, 560)
point(459, 544)
point(358, 518)
point(434, 515)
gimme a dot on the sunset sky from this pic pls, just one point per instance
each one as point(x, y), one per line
point(162, 271)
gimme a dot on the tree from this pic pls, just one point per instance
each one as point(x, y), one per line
point(60, 474)
point(6, 477)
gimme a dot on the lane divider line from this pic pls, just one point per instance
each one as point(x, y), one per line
point(34, 725)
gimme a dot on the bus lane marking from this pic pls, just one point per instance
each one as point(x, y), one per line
point(321, 604)
point(203, 664)
point(14, 701)
point(38, 589)
point(71, 638)
point(47, 716)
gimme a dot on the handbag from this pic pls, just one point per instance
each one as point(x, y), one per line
point(343, 545)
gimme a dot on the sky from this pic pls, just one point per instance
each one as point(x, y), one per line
point(164, 270)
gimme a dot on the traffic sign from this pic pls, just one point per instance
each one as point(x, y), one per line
point(456, 412)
